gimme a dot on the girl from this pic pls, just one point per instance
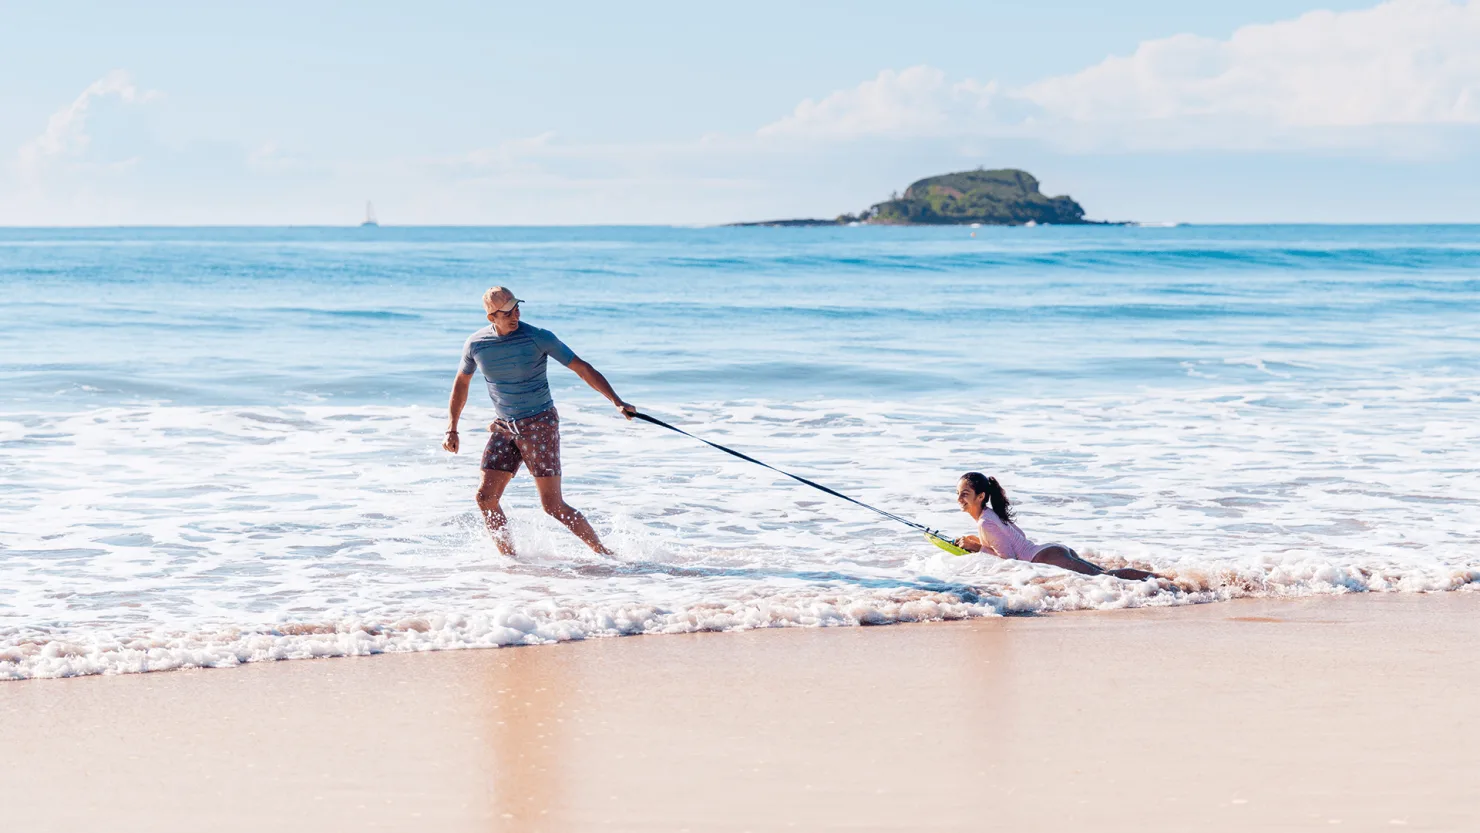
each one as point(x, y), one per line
point(982, 498)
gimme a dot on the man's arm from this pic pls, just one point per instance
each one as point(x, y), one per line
point(455, 405)
point(598, 383)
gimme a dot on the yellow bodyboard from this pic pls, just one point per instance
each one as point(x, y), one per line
point(945, 544)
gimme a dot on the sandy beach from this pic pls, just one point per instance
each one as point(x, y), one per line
point(1346, 712)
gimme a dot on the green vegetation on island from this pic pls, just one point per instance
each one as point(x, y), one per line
point(1004, 197)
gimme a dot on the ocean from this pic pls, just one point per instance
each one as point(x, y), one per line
point(221, 445)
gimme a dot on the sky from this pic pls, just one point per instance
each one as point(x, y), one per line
point(275, 113)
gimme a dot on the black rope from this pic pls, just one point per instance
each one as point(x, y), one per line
point(835, 493)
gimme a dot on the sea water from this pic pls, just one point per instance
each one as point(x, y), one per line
point(222, 445)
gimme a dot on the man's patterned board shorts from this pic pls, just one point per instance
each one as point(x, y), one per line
point(534, 441)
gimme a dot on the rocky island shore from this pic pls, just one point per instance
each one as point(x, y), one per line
point(1002, 197)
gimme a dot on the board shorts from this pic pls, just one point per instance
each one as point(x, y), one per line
point(534, 441)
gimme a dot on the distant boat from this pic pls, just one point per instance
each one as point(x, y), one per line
point(369, 216)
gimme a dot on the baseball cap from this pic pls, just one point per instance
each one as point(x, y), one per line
point(499, 299)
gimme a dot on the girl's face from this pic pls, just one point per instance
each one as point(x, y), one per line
point(969, 499)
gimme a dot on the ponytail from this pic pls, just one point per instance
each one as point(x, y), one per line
point(996, 496)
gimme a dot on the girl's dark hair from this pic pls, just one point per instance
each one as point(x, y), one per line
point(996, 497)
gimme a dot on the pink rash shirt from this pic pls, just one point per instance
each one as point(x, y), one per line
point(1004, 540)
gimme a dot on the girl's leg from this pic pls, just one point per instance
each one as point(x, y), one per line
point(1065, 558)
point(1061, 556)
point(1131, 574)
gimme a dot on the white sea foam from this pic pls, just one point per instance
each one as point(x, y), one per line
point(155, 537)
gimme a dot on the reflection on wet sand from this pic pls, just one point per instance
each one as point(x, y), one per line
point(679, 731)
point(528, 697)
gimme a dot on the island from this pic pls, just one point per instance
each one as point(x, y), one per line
point(1002, 197)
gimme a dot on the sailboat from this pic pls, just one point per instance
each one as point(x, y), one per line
point(369, 216)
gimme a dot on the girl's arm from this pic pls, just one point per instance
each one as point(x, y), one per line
point(983, 544)
point(993, 541)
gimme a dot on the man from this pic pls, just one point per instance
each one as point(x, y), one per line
point(512, 357)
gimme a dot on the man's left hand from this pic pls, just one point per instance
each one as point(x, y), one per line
point(626, 409)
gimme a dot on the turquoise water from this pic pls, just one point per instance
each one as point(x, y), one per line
point(220, 444)
point(232, 316)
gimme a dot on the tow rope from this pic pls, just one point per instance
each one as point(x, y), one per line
point(934, 536)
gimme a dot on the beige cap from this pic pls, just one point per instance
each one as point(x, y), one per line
point(499, 299)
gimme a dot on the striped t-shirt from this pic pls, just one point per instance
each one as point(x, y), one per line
point(514, 367)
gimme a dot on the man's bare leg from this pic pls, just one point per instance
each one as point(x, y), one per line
point(556, 507)
point(489, 492)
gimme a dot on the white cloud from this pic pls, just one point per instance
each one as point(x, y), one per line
point(66, 131)
point(1405, 62)
point(1388, 76)
point(912, 102)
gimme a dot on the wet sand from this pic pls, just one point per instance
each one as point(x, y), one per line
point(1351, 713)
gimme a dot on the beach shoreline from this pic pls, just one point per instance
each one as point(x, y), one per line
point(1250, 714)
